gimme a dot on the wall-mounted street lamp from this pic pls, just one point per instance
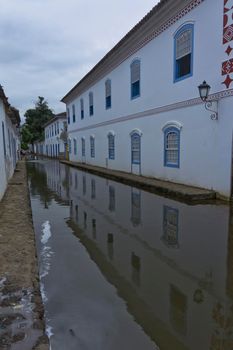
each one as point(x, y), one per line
point(204, 90)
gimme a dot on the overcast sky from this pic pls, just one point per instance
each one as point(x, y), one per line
point(47, 46)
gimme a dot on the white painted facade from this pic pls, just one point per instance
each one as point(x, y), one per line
point(53, 145)
point(9, 141)
point(205, 150)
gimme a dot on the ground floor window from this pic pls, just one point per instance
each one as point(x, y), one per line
point(172, 147)
point(135, 148)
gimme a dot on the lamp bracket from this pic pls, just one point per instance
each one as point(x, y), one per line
point(209, 107)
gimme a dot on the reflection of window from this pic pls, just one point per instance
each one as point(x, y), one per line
point(178, 310)
point(84, 220)
point(170, 227)
point(112, 203)
point(94, 228)
point(76, 213)
point(110, 246)
point(92, 188)
point(76, 181)
point(84, 185)
point(136, 267)
point(135, 206)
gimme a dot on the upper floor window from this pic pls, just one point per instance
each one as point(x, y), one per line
point(92, 146)
point(108, 97)
point(172, 147)
point(68, 115)
point(135, 147)
point(52, 130)
point(183, 42)
point(91, 105)
point(83, 147)
point(73, 112)
point(75, 146)
point(82, 108)
point(135, 78)
point(58, 127)
point(111, 146)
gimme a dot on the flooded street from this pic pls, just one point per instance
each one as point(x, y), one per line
point(121, 268)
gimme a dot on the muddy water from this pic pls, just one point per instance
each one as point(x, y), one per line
point(121, 268)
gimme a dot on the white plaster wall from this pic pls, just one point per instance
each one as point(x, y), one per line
point(8, 162)
point(206, 145)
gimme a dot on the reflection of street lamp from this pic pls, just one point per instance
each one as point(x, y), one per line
point(204, 90)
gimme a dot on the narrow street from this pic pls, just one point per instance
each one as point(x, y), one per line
point(122, 268)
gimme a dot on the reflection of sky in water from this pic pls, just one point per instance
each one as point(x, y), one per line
point(168, 264)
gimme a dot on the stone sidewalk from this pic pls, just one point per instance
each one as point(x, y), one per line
point(21, 309)
point(165, 188)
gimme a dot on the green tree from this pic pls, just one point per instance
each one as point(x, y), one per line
point(35, 120)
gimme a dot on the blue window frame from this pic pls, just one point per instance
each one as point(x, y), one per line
point(75, 146)
point(70, 147)
point(183, 52)
point(92, 146)
point(68, 115)
point(135, 79)
point(91, 105)
point(111, 146)
point(172, 147)
point(108, 96)
point(135, 148)
point(82, 108)
point(73, 112)
point(83, 147)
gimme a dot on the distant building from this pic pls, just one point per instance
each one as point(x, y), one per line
point(9, 140)
point(138, 110)
point(54, 144)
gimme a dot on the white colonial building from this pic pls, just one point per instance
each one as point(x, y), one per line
point(54, 143)
point(9, 141)
point(138, 110)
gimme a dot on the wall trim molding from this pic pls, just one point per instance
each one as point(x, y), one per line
point(150, 112)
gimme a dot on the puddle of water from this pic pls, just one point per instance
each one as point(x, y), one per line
point(124, 268)
point(17, 328)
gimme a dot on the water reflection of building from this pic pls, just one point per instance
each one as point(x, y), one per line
point(170, 262)
point(167, 259)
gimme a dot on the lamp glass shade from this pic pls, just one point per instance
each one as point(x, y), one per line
point(204, 90)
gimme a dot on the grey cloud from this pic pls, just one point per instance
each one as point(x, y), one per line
point(47, 46)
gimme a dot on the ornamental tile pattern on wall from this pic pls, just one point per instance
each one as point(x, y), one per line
point(227, 66)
